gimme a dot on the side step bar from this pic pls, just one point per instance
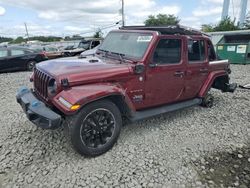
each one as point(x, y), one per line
point(140, 115)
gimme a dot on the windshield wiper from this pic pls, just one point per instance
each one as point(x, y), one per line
point(121, 56)
point(105, 52)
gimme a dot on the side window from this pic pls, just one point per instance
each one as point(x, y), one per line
point(168, 51)
point(196, 50)
point(17, 52)
point(211, 53)
point(3, 53)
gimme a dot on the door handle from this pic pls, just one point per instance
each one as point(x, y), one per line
point(179, 74)
point(204, 70)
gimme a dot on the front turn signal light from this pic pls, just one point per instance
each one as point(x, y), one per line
point(68, 105)
point(75, 107)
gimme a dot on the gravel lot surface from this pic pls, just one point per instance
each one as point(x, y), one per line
point(179, 149)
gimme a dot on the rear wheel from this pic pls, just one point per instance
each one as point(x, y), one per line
point(31, 65)
point(208, 101)
point(95, 129)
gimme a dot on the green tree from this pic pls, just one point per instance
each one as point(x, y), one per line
point(46, 38)
point(5, 39)
point(18, 40)
point(98, 34)
point(162, 19)
point(207, 28)
point(226, 25)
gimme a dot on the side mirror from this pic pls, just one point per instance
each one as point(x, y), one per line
point(139, 69)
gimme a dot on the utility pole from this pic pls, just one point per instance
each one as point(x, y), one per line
point(226, 4)
point(27, 33)
point(243, 9)
point(123, 16)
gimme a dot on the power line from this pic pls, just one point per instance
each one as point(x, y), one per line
point(101, 28)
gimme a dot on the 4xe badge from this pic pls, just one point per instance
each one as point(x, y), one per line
point(137, 98)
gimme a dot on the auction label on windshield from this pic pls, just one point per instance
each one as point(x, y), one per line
point(144, 38)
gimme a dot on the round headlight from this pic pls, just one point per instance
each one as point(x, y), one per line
point(52, 87)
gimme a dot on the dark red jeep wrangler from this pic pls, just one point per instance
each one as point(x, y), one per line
point(137, 73)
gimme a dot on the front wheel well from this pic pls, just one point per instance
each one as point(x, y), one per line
point(119, 101)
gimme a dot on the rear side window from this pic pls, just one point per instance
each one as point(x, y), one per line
point(168, 51)
point(3, 53)
point(211, 53)
point(17, 52)
point(196, 50)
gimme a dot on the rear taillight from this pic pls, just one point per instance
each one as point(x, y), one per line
point(43, 54)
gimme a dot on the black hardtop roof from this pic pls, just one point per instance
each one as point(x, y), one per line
point(168, 30)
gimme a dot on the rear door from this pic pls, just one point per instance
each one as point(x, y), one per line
point(197, 67)
point(18, 59)
point(165, 74)
point(4, 59)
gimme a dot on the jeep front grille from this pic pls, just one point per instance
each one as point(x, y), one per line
point(41, 81)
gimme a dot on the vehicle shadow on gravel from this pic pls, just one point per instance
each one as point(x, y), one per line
point(225, 169)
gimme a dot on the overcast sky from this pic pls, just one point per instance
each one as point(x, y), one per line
point(68, 17)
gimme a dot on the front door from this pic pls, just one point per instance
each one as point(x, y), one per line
point(197, 67)
point(165, 74)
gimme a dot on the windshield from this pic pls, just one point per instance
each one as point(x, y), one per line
point(127, 44)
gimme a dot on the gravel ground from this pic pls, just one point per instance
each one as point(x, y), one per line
point(178, 149)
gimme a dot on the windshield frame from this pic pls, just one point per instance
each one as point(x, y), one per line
point(126, 56)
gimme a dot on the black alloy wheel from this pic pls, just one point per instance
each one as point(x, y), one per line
point(31, 65)
point(97, 128)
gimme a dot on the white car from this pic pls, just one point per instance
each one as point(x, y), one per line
point(90, 52)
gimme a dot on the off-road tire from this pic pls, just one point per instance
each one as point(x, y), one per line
point(73, 127)
point(208, 101)
point(31, 65)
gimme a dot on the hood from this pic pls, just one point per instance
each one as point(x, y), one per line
point(85, 70)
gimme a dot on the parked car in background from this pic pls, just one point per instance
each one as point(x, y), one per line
point(19, 58)
point(52, 52)
point(90, 52)
point(84, 45)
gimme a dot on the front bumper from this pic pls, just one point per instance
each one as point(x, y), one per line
point(37, 112)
